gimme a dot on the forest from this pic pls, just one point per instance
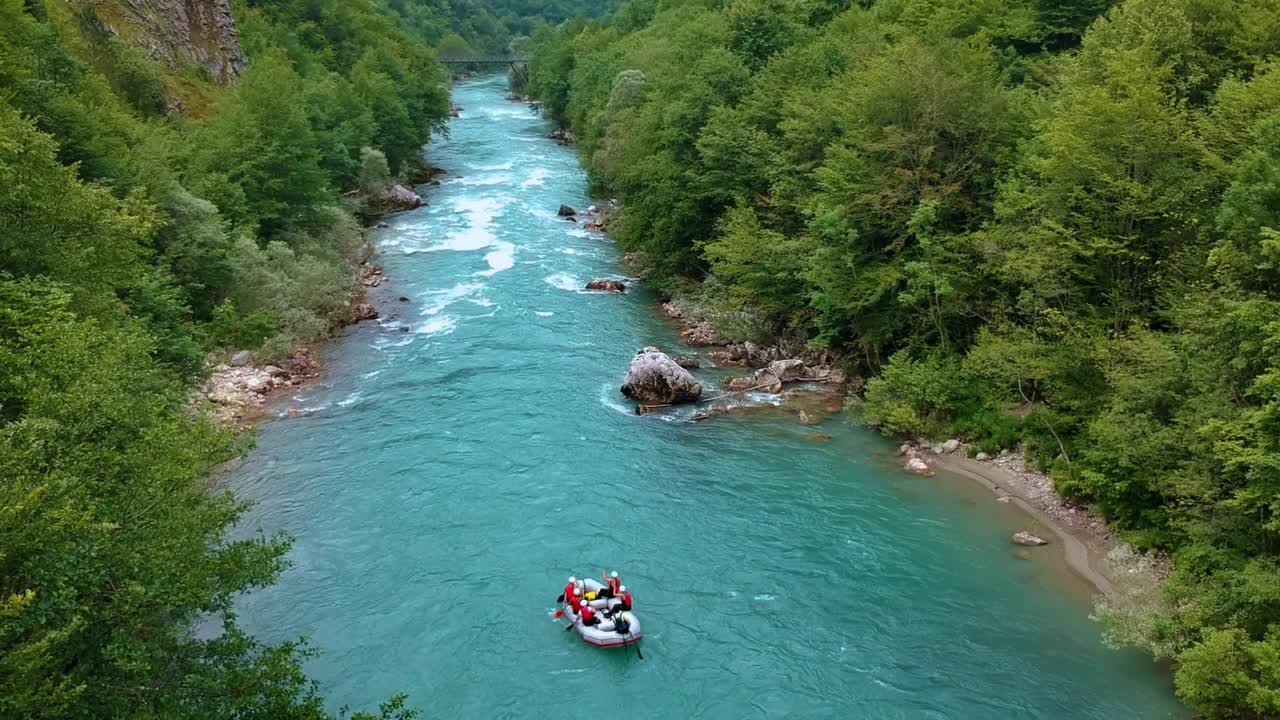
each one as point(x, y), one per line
point(465, 27)
point(1044, 224)
point(152, 214)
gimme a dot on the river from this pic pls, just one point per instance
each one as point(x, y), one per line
point(442, 483)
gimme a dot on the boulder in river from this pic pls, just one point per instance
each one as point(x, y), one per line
point(653, 378)
point(605, 285)
point(400, 197)
point(567, 212)
point(807, 418)
point(1022, 537)
point(688, 362)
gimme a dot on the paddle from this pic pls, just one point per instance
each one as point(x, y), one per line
point(637, 644)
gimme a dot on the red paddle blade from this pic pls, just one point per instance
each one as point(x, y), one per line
point(559, 614)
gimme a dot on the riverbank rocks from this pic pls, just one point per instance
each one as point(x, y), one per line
point(363, 311)
point(747, 354)
point(738, 384)
point(244, 358)
point(564, 136)
point(701, 334)
point(605, 285)
point(809, 419)
point(653, 378)
point(371, 276)
point(950, 446)
point(673, 311)
point(1022, 537)
point(688, 362)
point(917, 466)
point(400, 197)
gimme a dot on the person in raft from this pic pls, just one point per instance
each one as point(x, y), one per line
point(624, 603)
point(587, 614)
point(611, 584)
point(569, 589)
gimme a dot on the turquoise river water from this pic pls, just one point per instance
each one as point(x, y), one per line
point(442, 483)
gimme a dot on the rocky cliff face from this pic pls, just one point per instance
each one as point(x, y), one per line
point(179, 32)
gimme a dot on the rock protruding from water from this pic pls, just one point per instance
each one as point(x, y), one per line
point(400, 197)
point(605, 285)
point(564, 136)
point(653, 378)
point(1022, 537)
point(566, 212)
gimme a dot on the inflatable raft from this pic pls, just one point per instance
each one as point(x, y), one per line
point(594, 635)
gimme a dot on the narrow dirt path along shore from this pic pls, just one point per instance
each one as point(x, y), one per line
point(459, 458)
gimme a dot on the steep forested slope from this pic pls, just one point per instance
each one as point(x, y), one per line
point(1054, 224)
point(169, 185)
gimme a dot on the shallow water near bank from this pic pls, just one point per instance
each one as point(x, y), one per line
point(442, 482)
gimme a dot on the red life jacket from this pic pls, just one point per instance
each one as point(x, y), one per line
point(587, 613)
point(568, 591)
point(626, 600)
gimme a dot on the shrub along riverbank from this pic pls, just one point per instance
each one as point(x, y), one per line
point(151, 212)
point(1046, 224)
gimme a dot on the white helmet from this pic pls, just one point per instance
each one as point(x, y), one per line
point(614, 574)
point(572, 579)
point(622, 588)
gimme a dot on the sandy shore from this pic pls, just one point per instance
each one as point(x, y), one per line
point(1090, 548)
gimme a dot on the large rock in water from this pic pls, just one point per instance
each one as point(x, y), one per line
point(653, 378)
point(400, 197)
point(614, 286)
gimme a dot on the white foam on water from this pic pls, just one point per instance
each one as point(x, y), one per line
point(441, 299)
point(536, 178)
point(543, 213)
point(490, 168)
point(541, 313)
point(481, 301)
point(371, 375)
point(480, 180)
point(763, 597)
point(564, 281)
point(478, 234)
point(503, 112)
point(350, 400)
point(439, 325)
point(578, 233)
point(502, 258)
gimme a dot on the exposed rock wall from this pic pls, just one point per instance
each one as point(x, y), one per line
point(180, 32)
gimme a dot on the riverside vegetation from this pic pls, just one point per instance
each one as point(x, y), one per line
point(1046, 224)
point(152, 212)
